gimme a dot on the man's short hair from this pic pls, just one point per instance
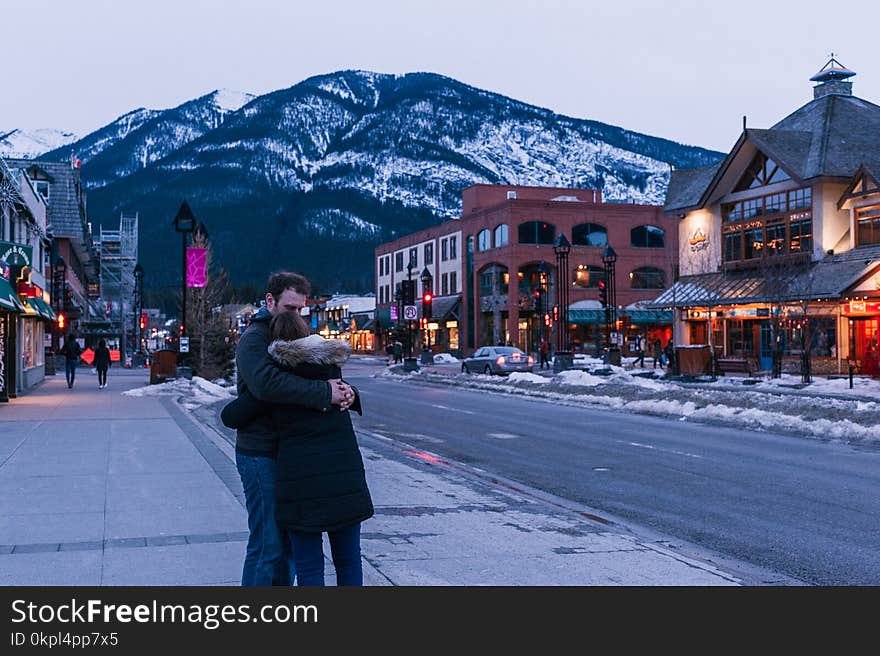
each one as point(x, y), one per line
point(282, 280)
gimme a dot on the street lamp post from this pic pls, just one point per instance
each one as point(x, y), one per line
point(541, 300)
point(609, 258)
point(563, 359)
point(184, 223)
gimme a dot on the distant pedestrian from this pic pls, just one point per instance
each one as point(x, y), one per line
point(398, 352)
point(657, 352)
point(639, 347)
point(102, 363)
point(668, 352)
point(389, 352)
point(71, 351)
point(545, 353)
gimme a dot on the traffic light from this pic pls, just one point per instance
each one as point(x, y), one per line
point(547, 321)
point(603, 293)
point(556, 313)
point(143, 321)
point(427, 298)
point(62, 322)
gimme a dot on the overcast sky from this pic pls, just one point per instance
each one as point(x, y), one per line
point(686, 70)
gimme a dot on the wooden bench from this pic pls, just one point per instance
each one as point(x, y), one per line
point(743, 366)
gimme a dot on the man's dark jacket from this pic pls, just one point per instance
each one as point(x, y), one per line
point(261, 376)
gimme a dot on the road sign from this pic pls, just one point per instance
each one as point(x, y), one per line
point(184, 344)
point(410, 313)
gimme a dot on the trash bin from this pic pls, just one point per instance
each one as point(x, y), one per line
point(164, 366)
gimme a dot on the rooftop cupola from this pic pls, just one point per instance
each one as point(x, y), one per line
point(832, 78)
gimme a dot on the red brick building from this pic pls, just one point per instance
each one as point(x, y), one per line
point(487, 265)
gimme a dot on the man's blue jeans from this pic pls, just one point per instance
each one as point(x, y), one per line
point(266, 559)
point(70, 371)
point(345, 546)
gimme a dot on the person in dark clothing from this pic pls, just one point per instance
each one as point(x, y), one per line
point(102, 363)
point(256, 442)
point(398, 352)
point(71, 352)
point(657, 352)
point(321, 486)
point(545, 353)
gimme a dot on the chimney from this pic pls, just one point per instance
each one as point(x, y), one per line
point(832, 79)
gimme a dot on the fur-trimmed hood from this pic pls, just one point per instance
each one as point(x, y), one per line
point(312, 349)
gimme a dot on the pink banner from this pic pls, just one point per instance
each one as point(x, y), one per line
point(196, 271)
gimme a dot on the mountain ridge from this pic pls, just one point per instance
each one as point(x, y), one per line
point(342, 161)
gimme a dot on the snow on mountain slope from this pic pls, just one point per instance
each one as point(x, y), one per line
point(30, 143)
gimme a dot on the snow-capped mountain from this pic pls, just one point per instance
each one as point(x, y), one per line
point(332, 166)
point(141, 137)
point(28, 144)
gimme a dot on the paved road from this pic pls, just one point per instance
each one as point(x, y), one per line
point(805, 508)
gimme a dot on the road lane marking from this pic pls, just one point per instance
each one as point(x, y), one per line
point(503, 436)
point(444, 407)
point(678, 453)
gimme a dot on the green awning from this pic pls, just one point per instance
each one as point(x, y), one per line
point(8, 298)
point(646, 317)
point(638, 317)
point(41, 308)
point(585, 317)
point(48, 312)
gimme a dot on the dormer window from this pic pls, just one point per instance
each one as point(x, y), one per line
point(42, 187)
point(761, 172)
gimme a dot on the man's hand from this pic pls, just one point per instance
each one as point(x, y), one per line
point(341, 394)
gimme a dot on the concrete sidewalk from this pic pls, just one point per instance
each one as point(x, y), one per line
point(97, 488)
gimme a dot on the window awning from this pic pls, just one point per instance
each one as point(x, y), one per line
point(639, 317)
point(647, 317)
point(38, 307)
point(8, 298)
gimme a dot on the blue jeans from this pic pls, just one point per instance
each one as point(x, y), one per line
point(70, 371)
point(266, 559)
point(308, 556)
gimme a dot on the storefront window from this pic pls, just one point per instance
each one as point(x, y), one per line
point(868, 225)
point(31, 344)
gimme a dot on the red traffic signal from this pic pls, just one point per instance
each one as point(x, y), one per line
point(555, 313)
point(603, 293)
point(427, 298)
point(143, 321)
point(62, 322)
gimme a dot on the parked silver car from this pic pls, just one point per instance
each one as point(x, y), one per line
point(497, 360)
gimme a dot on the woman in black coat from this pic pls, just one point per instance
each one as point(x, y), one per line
point(102, 363)
point(320, 482)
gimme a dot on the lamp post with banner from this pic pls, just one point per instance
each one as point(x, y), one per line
point(184, 223)
point(563, 358)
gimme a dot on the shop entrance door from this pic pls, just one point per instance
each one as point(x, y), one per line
point(867, 334)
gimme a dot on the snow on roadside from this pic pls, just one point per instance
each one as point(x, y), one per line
point(774, 409)
point(191, 393)
point(524, 377)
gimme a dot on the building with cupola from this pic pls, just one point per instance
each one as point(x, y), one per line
point(779, 243)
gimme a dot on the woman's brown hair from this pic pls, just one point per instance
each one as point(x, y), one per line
point(288, 326)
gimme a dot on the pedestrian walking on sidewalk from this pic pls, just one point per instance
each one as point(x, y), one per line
point(321, 486)
point(256, 442)
point(102, 363)
point(657, 352)
point(398, 352)
point(640, 352)
point(71, 351)
point(545, 353)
